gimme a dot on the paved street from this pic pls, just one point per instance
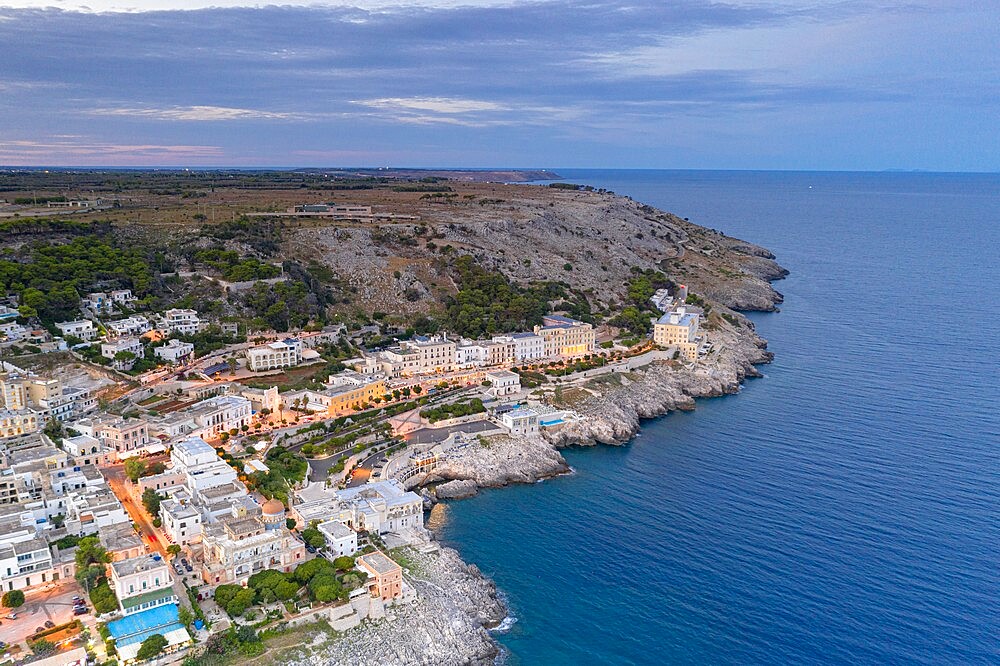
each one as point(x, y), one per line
point(115, 476)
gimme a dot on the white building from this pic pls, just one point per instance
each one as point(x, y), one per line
point(341, 540)
point(221, 414)
point(130, 345)
point(528, 347)
point(99, 302)
point(181, 521)
point(381, 507)
point(81, 328)
point(183, 322)
point(142, 582)
point(503, 382)
point(280, 354)
point(11, 331)
point(521, 421)
point(130, 326)
point(175, 352)
point(88, 450)
point(122, 297)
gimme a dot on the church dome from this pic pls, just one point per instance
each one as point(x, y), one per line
point(273, 507)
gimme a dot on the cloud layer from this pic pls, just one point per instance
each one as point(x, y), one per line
point(645, 83)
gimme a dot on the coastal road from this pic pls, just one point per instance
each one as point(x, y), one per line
point(432, 435)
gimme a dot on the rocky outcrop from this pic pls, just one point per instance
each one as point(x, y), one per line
point(502, 460)
point(448, 624)
point(457, 489)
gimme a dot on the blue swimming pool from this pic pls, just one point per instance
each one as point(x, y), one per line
point(546, 424)
point(138, 627)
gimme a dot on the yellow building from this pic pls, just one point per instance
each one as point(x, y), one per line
point(678, 329)
point(566, 337)
point(346, 393)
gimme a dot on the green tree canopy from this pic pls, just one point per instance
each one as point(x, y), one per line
point(151, 647)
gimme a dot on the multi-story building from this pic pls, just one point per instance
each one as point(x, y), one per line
point(181, 521)
point(180, 321)
point(566, 337)
point(132, 346)
point(27, 562)
point(80, 328)
point(382, 506)
point(281, 354)
point(341, 540)
point(434, 354)
point(528, 347)
point(346, 392)
point(385, 577)
point(175, 352)
point(18, 423)
point(239, 546)
point(678, 328)
point(88, 450)
point(11, 331)
point(141, 583)
point(221, 414)
point(521, 421)
point(99, 302)
point(130, 326)
point(470, 354)
point(503, 382)
point(13, 392)
point(115, 433)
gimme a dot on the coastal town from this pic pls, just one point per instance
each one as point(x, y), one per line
point(183, 487)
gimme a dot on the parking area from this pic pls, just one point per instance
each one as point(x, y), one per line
point(53, 604)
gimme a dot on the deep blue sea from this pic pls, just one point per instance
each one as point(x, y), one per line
point(845, 508)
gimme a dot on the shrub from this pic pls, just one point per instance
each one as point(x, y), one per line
point(13, 599)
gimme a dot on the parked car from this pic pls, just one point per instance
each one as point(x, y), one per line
point(39, 630)
point(80, 610)
point(77, 598)
point(11, 616)
point(49, 624)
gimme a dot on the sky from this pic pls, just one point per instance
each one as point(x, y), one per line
point(686, 84)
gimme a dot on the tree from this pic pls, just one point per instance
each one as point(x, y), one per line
point(313, 537)
point(13, 599)
point(151, 647)
point(151, 500)
point(91, 559)
point(43, 647)
point(344, 563)
point(174, 549)
point(134, 469)
point(185, 616)
point(290, 523)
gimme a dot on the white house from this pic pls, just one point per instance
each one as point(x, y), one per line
point(521, 421)
point(341, 540)
point(503, 382)
point(130, 326)
point(184, 322)
point(278, 354)
point(175, 352)
point(81, 328)
point(130, 345)
point(181, 521)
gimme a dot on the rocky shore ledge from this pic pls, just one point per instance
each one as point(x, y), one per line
point(447, 625)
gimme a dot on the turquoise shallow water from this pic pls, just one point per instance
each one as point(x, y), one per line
point(843, 509)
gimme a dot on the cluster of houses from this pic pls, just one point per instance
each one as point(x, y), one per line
point(29, 401)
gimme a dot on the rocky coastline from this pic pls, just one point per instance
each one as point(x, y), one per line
point(613, 410)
